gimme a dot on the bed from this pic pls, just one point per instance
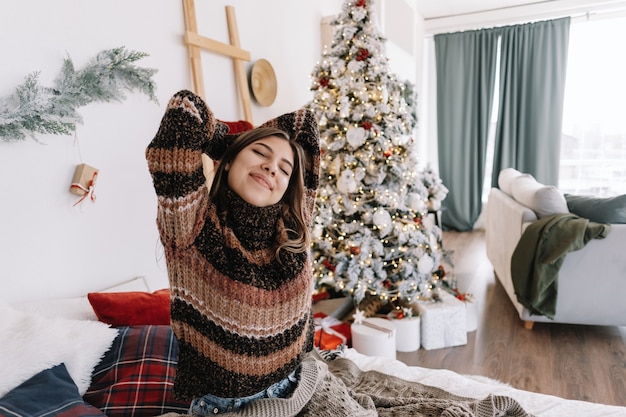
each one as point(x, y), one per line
point(112, 353)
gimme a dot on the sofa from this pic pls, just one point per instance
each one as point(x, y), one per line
point(590, 280)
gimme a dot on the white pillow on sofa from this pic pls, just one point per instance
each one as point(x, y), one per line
point(505, 180)
point(544, 200)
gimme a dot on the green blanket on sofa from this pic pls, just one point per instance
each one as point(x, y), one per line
point(540, 253)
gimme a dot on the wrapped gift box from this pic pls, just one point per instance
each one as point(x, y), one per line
point(375, 337)
point(83, 180)
point(330, 332)
point(471, 308)
point(444, 323)
point(408, 334)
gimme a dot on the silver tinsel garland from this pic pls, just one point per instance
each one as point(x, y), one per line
point(36, 109)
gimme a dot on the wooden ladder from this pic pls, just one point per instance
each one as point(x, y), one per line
point(195, 43)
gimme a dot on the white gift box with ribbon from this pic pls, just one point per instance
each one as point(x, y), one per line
point(471, 308)
point(408, 334)
point(444, 323)
point(374, 337)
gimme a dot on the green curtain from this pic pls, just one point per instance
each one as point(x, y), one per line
point(466, 68)
point(532, 84)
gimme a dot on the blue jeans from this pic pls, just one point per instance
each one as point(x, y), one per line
point(209, 404)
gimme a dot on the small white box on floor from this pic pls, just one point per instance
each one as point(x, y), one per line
point(374, 337)
point(444, 323)
point(472, 315)
point(407, 334)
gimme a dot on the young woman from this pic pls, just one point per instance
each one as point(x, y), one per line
point(237, 257)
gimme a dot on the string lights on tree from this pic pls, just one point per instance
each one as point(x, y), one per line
point(372, 235)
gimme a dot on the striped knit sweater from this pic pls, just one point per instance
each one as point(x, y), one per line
point(243, 321)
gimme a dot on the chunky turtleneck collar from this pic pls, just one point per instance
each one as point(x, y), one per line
point(252, 225)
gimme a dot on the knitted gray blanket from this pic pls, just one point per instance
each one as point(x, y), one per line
point(339, 388)
point(392, 396)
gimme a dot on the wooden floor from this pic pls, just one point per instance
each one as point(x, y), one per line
point(570, 361)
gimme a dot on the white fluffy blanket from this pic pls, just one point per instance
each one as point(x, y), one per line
point(32, 343)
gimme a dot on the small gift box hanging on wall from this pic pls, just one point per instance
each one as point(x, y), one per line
point(84, 182)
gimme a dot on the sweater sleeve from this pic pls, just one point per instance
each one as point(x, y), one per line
point(302, 127)
point(174, 159)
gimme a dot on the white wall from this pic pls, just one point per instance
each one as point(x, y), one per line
point(48, 248)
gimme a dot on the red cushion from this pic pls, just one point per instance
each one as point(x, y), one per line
point(238, 126)
point(133, 308)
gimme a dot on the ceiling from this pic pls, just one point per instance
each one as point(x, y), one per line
point(447, 15)
point(434, 9)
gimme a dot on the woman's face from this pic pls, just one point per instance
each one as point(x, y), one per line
point(260, 172)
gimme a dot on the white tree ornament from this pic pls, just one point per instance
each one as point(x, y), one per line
point(356, 136)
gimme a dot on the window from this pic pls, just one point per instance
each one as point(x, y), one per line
point(593, 145)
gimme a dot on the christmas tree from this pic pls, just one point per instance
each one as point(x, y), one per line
point(372, 235)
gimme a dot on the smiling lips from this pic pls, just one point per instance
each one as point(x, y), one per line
point(261, 179)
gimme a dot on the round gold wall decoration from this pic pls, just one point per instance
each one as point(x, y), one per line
point(263, 82)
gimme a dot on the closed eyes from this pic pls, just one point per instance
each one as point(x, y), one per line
point(264, 154)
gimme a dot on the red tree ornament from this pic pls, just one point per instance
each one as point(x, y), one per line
point(328, 265)
point(362, 55)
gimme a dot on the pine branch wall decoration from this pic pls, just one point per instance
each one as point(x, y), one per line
point(33, 108)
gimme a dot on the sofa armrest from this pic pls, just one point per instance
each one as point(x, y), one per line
point(504, 223)
point(503, 228)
